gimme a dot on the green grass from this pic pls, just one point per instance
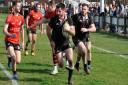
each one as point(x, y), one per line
point(107, 68)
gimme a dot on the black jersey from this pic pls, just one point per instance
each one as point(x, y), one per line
point(81, 22)
point(57, 27)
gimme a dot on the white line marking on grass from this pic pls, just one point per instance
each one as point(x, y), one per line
point(108, 51)
point(14, 82)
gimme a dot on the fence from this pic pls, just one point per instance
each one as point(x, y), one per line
point(118, 25)
point(4, 9)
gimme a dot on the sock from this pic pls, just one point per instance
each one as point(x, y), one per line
point(55, 59)
point(70, 72)
point(32, 51)
point(9, 59)
point(89, 62)
point(26, 49)
point(55, 67)
point(85, 66)
point(14, 72)
point(27, 45)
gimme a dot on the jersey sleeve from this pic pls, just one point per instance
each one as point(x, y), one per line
point(8, 19)
point(30, 13)
point(46, 15)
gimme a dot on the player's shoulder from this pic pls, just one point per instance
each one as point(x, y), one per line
point(21, 16)
point(31, 12)
point(9, 15)
point(54, 17)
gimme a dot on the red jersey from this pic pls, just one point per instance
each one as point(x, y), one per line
point(49, 15)
point(34, 17)
point(15, 23)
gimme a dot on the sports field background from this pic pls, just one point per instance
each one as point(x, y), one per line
point(108, 66)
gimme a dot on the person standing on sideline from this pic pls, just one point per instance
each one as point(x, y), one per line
point(34, 16)
point(83, 26)
point(13, 26)
point(59, 26)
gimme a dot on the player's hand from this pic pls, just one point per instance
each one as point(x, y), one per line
point(84, 30)
point(52, 44)
point(66, 27)
point(12, 35)
point(33, 25)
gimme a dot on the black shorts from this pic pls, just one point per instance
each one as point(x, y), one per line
point(62, 47)
point(77, 40)
point(15, 46)
point(33, 31)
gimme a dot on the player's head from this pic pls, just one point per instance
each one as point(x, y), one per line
point(37, 7)
point(51, 6)
point(17, 6)
point(85, 8)
point(11, 9)
point(60, 9)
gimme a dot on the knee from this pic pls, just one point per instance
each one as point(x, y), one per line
point(70, 63)
point(28, 41)
point(89, 50)
point(33, 41)
point(17, 61)
point(83, 53)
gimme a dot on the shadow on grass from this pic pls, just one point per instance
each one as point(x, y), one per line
point(4, 78)
point(3, 53)
point(31, 79)
point(37, 64)
point(45, 71)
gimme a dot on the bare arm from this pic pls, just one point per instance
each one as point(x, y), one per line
point(92, 28)
point(27, 19)
point(6, 30)
point(71, 31)
point(49, 34)
point(22, 36)
point(48, 31)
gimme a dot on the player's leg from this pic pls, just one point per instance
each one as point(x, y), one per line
point(13, 55)
point(59, 59)
point(29, 35)
point(83, 52)
point(89, 55)
point(55, 62)
point(17, 61)
point(41, 28)
point(34, 36)
point(69, 56)
point(7, 44)
point(77, 64)
point(88, 58)
point(9, 60)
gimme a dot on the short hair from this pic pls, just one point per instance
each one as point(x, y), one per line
point(60, 5)
point(52, 2)
point(84, 4)
point(14, 3)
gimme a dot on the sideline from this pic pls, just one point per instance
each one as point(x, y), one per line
point(108, 51)
point(14, 82)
